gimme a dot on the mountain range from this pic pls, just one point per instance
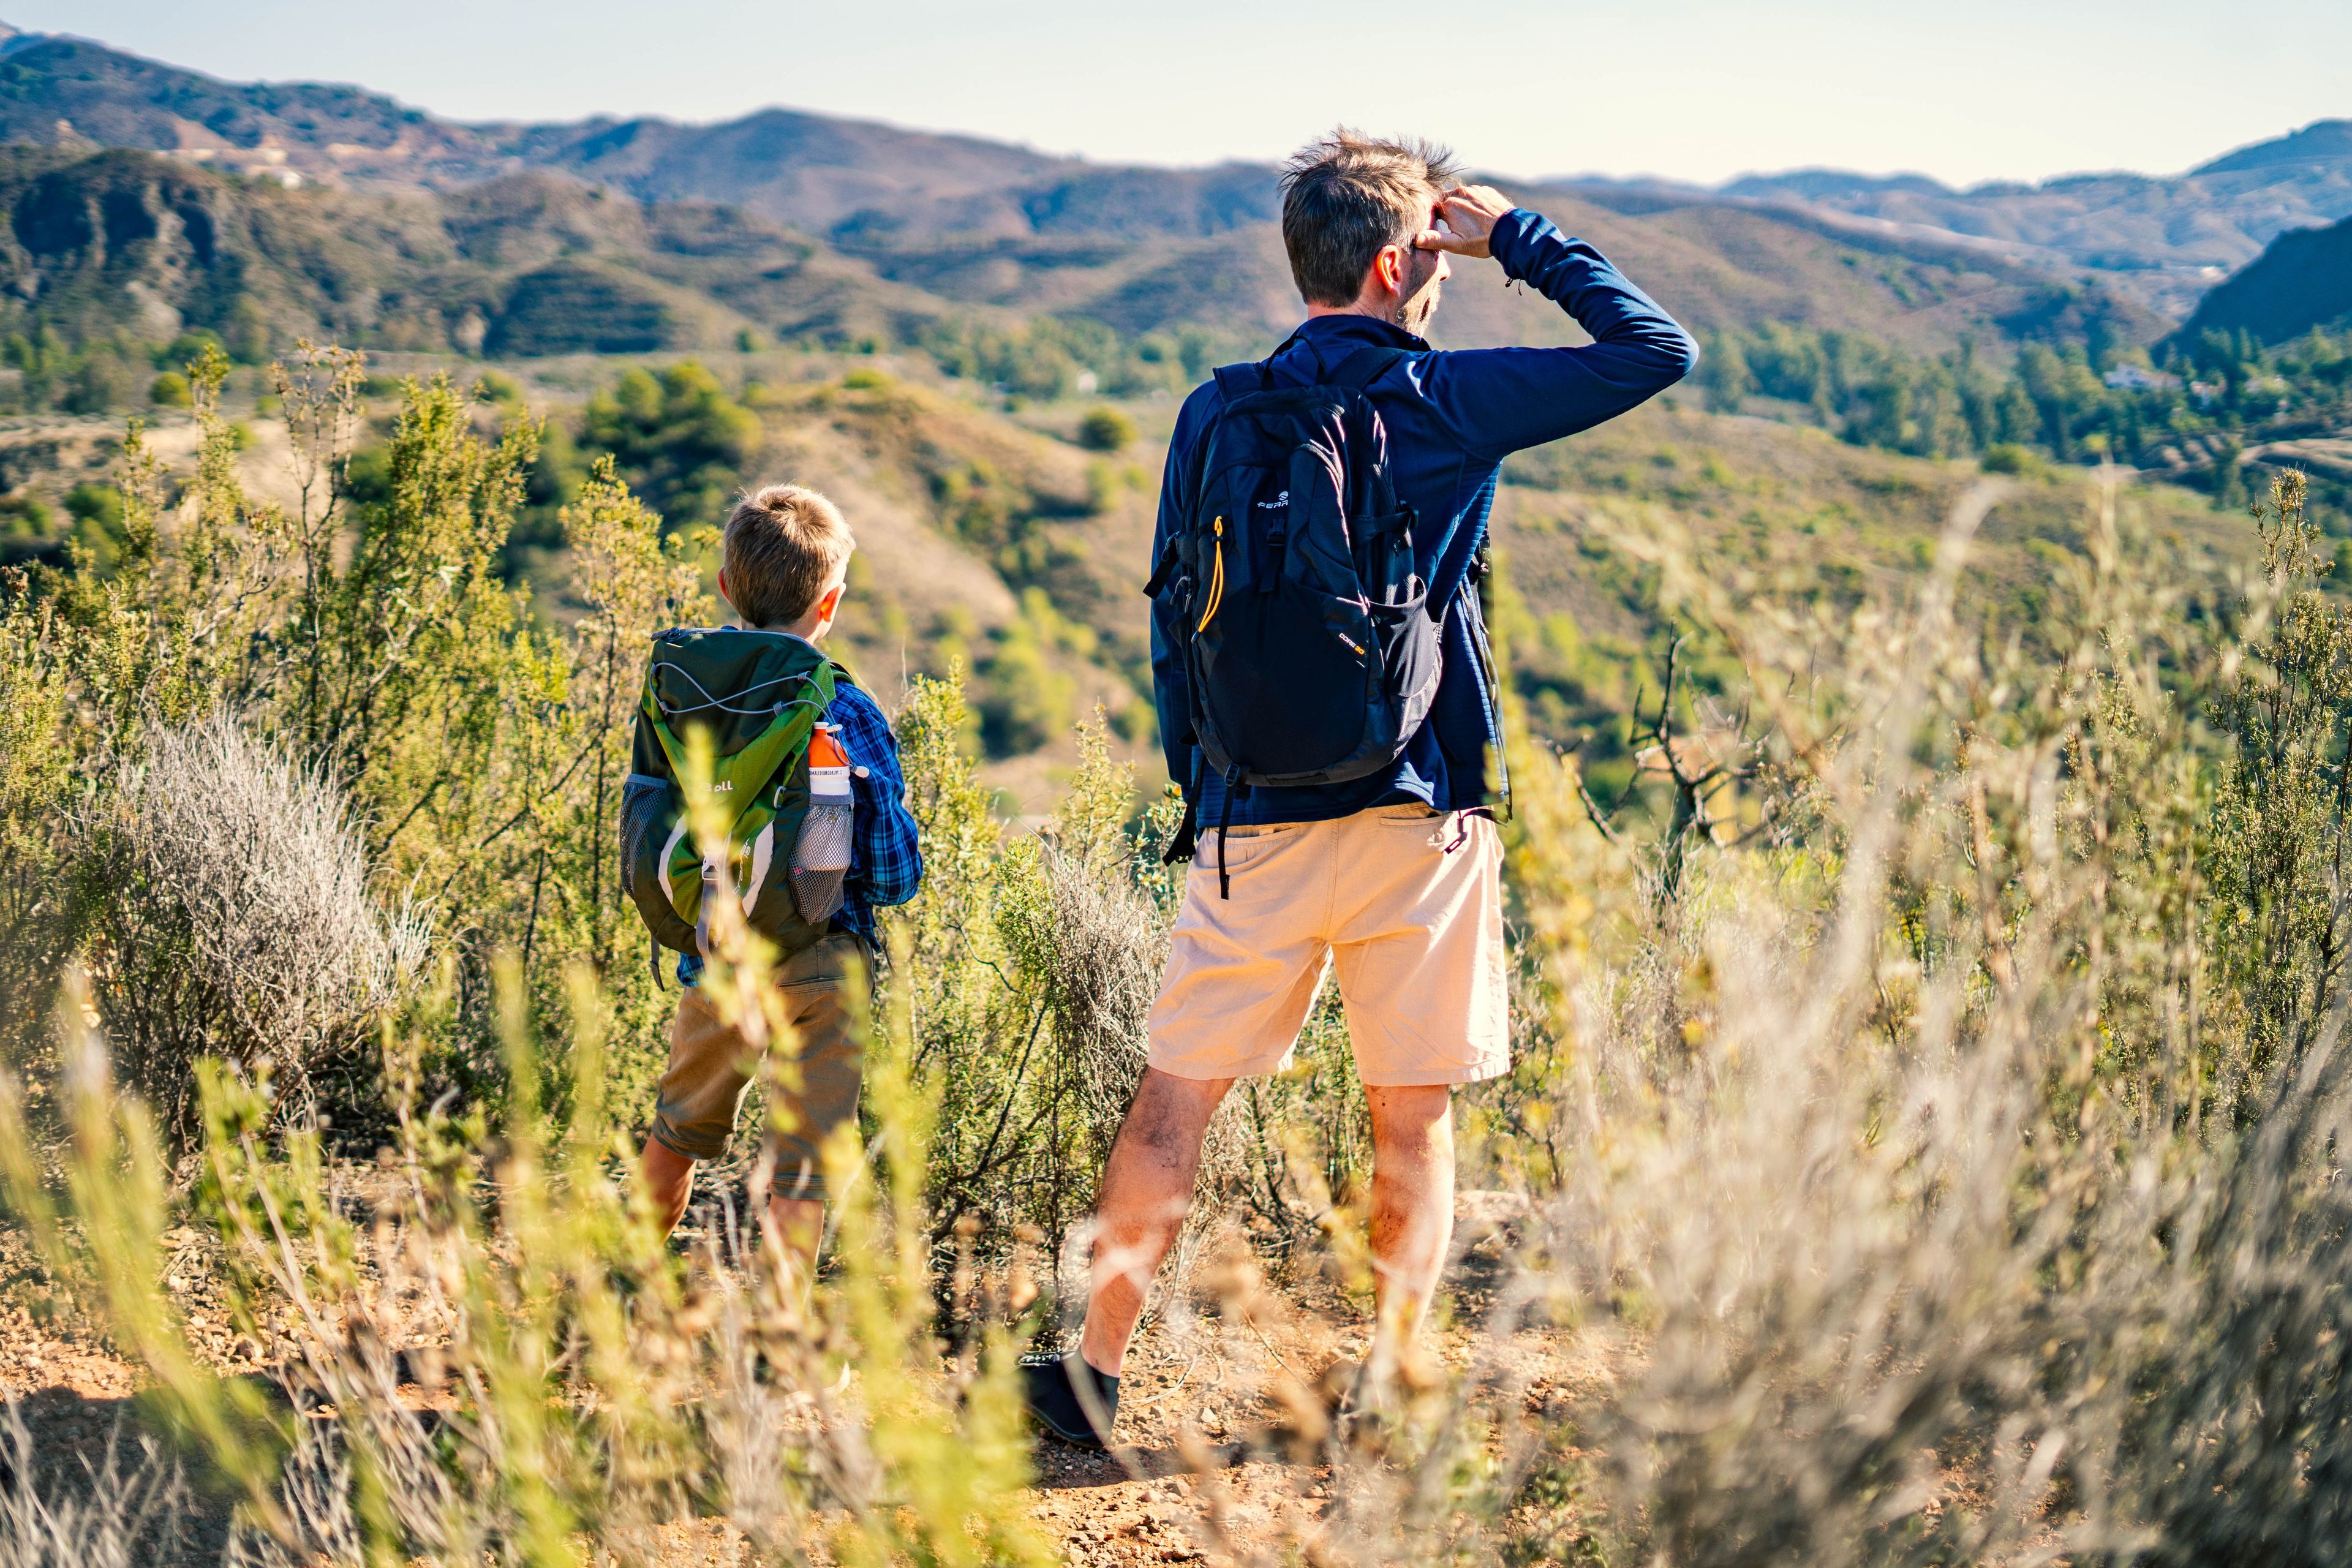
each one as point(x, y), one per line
point(2166, 238)
point(329, 208)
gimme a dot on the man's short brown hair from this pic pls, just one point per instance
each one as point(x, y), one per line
point(1345, 196)
point(784, 547)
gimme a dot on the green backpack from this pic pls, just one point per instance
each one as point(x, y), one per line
point(762, 696)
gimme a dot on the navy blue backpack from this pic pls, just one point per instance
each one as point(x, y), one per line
point(1309, 643)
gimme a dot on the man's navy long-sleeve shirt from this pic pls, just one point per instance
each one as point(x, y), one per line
point(1451, 417)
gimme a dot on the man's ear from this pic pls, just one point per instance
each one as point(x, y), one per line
point(1389, 268)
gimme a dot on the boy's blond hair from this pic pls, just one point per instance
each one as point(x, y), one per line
point(784, 547)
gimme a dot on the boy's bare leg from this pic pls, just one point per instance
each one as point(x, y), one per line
point(1147, 1186)
point(1412, 1211)
point(794, 1225)
point(669, 1182)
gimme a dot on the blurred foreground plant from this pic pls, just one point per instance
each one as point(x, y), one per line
point(483, 1345)
point(1954, 1193)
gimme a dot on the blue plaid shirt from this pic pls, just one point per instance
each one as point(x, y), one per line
point(886, 855)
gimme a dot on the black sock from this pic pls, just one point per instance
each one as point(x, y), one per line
point(1054, 1400)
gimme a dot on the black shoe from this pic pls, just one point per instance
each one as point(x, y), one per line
point(1050, 1388)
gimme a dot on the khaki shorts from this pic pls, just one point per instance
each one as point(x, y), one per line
point(710, 1068)
point(1406, 904)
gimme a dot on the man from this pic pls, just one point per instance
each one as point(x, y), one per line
point(1394, 878)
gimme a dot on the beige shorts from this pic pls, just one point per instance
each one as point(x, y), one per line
point(711, 1067)
point(1404, 903)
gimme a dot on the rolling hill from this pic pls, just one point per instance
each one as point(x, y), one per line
point(2163, 239)
point(2303, 280)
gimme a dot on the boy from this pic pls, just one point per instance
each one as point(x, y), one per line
point(784, 566)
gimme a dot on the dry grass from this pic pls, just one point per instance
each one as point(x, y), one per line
point(106, 1509)
point(235, 917)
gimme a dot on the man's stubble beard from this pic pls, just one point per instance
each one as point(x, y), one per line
point(1419, 303)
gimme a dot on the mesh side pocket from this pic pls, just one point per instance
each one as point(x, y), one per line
point(820, 861)
point(642, 798)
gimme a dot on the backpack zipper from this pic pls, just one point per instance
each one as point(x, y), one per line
point(1216, 581)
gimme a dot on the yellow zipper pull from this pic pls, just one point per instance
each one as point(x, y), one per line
point(1216, 580)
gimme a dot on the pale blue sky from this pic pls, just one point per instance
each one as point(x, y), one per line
point(1963, 89)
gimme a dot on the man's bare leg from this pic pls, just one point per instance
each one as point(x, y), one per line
point(1146, 1188)
point(795, 1227)
point(799, 1224)
point(1412, 1211)
point(1147, 1185)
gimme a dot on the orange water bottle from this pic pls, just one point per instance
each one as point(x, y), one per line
point(821, 853)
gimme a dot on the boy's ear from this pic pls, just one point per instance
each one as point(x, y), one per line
point(722, 589)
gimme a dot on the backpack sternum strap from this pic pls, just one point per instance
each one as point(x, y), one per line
point(735, 781)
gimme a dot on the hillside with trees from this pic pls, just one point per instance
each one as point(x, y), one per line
point(110, 243)
point(2302, 283)
point(127, 248)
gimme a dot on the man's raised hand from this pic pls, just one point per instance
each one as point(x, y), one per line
point(1470, 213)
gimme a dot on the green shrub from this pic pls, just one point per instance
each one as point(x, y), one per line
point(28, 517)
point(496, 386)
point(678, 439)
point(1106, 486)
point(98, 508)
point(169, 390)
point(1105, 430)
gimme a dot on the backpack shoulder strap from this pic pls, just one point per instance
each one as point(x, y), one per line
point(1241, 380)
point(1354, 374)
point(1360, 369)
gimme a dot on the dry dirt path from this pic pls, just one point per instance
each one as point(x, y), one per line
point(1209, 1469)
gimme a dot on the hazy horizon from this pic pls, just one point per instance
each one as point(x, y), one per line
point(1703, 91)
